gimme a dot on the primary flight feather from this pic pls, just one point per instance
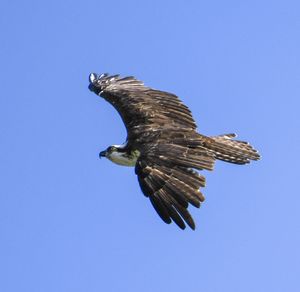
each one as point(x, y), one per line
point(164, 146)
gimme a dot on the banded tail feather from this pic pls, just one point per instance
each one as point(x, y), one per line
point(233, 151)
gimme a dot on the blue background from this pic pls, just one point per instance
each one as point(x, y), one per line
point(72, 222)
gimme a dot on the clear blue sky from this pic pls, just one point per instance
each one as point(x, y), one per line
point(72, 222)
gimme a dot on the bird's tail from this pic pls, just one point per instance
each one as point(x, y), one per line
point(233, 151)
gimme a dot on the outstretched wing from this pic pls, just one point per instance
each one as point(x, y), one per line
point(166, 175)
point(142, 109)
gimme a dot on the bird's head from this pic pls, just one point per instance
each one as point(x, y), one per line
point(118, 154)
point(108, 151)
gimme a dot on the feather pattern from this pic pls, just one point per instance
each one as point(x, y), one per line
point(169, 190)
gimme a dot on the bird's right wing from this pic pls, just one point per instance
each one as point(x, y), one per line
point(142, 109)
point(171, 183)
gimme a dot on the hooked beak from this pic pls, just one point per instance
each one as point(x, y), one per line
point(102, 154)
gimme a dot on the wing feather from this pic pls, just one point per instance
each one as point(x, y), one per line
point(160, 208)
point(170, 189)
point(199, 157)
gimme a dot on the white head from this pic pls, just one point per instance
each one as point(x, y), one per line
point(119, 155)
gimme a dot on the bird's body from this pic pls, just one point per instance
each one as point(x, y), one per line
point(164, 146)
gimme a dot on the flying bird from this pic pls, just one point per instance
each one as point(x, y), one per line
point(164, 147)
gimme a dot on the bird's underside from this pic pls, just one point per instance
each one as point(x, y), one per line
point(164, 146)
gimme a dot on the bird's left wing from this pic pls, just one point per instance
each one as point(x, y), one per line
point(170, 188)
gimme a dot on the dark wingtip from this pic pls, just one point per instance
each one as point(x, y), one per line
point(191, 223)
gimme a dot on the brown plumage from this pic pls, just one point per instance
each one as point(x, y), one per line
point(164, 146)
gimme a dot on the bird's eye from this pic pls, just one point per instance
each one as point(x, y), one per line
point(110, 149)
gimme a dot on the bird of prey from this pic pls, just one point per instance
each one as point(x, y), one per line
point(164, 147)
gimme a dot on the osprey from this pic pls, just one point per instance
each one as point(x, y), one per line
point(164, 146)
